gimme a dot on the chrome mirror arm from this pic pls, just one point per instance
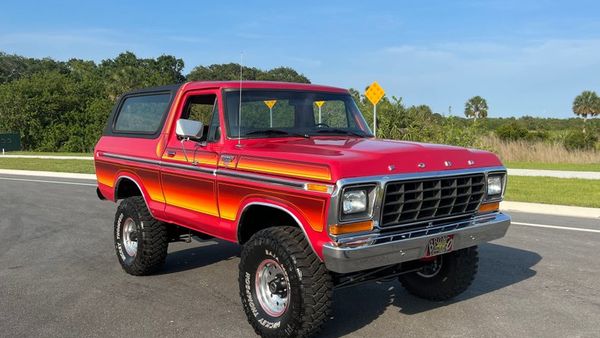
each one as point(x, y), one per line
point(183, 140)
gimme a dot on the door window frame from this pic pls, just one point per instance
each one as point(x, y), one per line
point(204, 92)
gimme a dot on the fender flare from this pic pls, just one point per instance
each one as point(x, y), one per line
point(126, 175)
point(296, 216)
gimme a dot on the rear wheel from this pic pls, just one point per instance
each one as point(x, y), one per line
point(284, 287)
point(141, 241)
point(445, 277)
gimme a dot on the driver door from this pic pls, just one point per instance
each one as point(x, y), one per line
point(187, 174)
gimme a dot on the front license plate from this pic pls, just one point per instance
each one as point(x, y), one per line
point(439, 245)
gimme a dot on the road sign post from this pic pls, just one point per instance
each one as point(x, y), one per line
point(375, 120)
point(270, 104)
point(319, 104)
point(374, 93)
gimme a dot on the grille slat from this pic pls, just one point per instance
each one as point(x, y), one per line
point(427, 199)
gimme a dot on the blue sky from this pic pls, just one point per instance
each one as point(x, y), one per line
point(524, 57)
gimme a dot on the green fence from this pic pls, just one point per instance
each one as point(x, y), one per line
point(10, 142)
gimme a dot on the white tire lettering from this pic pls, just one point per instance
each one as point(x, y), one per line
point(249, 295)
point(119, 245)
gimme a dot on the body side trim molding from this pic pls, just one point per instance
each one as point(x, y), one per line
point(129, 158)
point(262, 178)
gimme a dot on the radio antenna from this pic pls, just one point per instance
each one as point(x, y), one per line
point(240, 106)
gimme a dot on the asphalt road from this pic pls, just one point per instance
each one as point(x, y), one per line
point(59, 277)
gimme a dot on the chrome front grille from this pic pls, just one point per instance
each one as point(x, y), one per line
point(423, 200)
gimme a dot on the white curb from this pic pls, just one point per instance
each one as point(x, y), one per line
point(47, 174)
point(50, 157)
point(586, 175)
point(550, 209)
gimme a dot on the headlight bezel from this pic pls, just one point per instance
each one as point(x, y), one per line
point(357, 216)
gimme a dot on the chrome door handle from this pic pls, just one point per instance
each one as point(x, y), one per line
point(171, 153)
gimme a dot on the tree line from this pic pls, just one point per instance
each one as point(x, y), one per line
point(64, 105)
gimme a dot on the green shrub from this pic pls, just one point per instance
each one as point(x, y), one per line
point(578, 140)
point(512, 132)
point(538, 135)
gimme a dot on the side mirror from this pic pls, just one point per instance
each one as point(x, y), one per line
point(189, 129)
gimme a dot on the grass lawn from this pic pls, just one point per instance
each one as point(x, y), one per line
point(554, 166)
point(70, 166)
point(42, 153)
point(549, 190)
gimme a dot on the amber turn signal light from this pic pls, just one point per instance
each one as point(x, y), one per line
point(318, 187)
point(489, 207)
point(338, 229)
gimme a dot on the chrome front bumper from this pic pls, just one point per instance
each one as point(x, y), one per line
point(344, 259)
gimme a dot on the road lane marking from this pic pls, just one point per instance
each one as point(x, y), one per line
point(556, 227)
point(44, 181)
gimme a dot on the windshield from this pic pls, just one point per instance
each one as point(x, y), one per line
point(280, 113)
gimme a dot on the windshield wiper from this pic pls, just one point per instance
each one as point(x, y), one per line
point(341, 131)
point(275, 132)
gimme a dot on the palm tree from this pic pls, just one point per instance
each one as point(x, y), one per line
point(476, 108)
point(586, 103)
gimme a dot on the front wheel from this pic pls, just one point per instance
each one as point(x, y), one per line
point(445, 277)
point(285, 290)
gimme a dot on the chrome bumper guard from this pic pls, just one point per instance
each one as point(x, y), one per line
point(344, 259)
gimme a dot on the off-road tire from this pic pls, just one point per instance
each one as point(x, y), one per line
point(454, 277)
point(152, 238)
point(310, 284)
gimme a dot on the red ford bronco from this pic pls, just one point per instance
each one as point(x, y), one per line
point(293, 173)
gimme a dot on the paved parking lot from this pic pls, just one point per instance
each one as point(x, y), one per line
point(59, 277)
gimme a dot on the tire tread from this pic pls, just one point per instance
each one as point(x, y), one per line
point(154, 236)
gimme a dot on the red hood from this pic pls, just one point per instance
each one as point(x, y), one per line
point(355, 157)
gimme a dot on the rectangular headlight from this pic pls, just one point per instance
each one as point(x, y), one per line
point(354, 201)
point(494, 185)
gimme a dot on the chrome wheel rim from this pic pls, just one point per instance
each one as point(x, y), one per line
point(272, 288)
point(130, 237)
point(432, 269)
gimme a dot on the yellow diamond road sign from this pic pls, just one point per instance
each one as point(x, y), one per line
point(374, 93)
point(270, 103)
point(319, 103)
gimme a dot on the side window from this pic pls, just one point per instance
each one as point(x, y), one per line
point(142, 114)
point(333, 113)
point(204, 108)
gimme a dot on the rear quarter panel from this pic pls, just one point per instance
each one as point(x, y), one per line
point(110, 170)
